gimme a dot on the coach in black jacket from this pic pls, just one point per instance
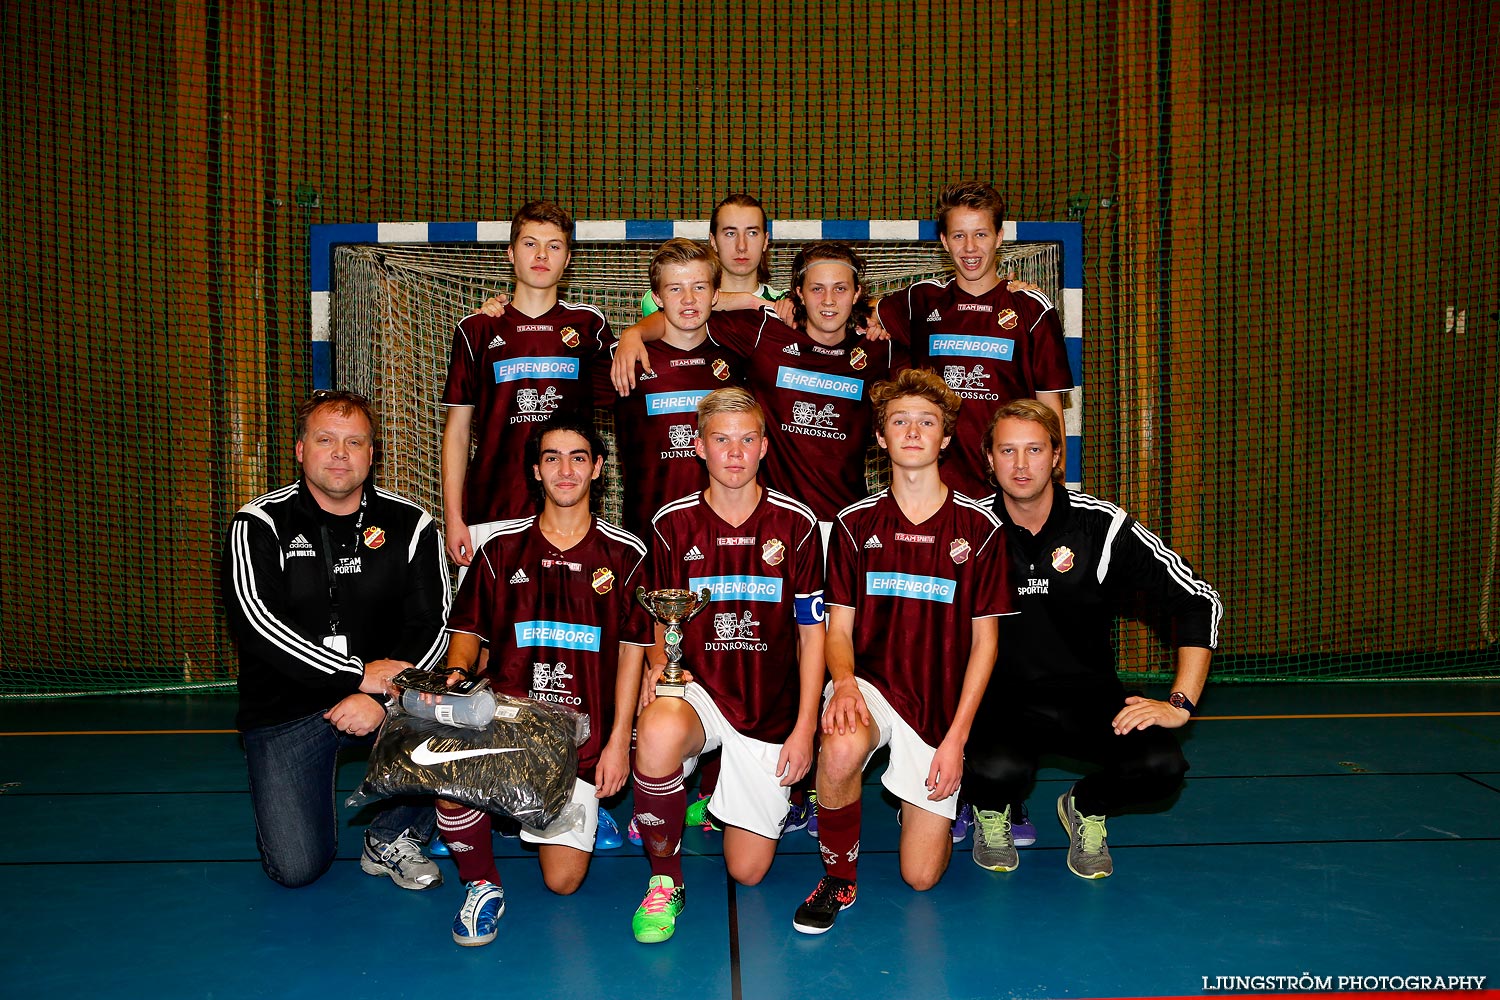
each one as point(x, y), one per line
point(1077, 563)
point(332, 586)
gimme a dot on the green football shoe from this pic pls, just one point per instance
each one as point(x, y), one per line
point(697, 814)
point(655, 919)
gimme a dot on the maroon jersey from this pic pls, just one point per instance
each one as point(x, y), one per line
point(916, 590)
point(515, 370)
point(989, 348)
point(766, 576)
point(817, 403)
point(658, 421)
point(554, 618)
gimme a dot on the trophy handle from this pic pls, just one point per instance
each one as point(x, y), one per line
point(704, 596)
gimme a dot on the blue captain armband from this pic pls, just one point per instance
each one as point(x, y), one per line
point(809, 608)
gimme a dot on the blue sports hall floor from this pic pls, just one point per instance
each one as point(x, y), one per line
point(1325, 829)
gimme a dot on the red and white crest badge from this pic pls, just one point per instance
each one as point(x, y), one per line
point(773, 551)
point(374, 537)
point(1062, 558)
point(1007, 319)
point(570, 336)
point(959, 550)
point(721, 369)
point(858, 359)
point(604, 579)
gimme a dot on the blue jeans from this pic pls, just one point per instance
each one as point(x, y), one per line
point(292, 767)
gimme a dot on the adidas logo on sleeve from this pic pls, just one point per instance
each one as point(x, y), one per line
point(519, 576)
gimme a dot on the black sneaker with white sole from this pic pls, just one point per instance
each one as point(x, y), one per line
point(822, 908)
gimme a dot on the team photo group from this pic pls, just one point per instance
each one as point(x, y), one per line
point(961, 618)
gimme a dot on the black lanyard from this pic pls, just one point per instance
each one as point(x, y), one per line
point(333, 578)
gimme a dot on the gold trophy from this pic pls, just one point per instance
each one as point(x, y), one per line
point(673, 608)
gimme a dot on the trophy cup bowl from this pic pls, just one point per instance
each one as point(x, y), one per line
point(673, 608)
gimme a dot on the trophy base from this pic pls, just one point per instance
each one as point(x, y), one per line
point(667, 689)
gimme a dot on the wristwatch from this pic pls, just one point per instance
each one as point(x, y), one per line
point(1179, 700)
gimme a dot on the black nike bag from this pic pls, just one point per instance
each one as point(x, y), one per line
point(522, 765)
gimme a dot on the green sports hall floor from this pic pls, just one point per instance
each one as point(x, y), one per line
point(1325, 829)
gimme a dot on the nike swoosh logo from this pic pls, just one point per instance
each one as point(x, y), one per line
point(425, 756)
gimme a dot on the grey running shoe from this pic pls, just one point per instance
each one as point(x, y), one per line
point(1088, 853)
point(993, 847)
point(402, 859)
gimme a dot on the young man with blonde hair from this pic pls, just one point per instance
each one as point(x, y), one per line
point(755, 656)
point(916, 583)
point(657, 425)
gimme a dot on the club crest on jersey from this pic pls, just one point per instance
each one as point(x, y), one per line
point(1062, 558)
point(858, 359)
point(570, 336)
point(1007, 319)
point(959, 550)
point(773, 551)
point(374, 537)
point(721, 369)
point(604, 579)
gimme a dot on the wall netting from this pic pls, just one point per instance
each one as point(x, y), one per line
point(1289, 211)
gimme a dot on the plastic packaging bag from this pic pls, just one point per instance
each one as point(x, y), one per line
point(521, 765)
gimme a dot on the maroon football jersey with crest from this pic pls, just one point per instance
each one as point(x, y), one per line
point(989, 348)
point(916, 590)
point(765, 575)
point(656, 425)
point(554, 618)
point(515, 370)
point(817, 402)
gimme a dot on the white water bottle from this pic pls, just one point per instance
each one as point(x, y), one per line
point(472, 710)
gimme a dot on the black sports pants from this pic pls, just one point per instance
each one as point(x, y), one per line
point(1016, 724)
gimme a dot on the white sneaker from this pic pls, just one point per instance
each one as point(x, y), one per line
point(402, 859)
